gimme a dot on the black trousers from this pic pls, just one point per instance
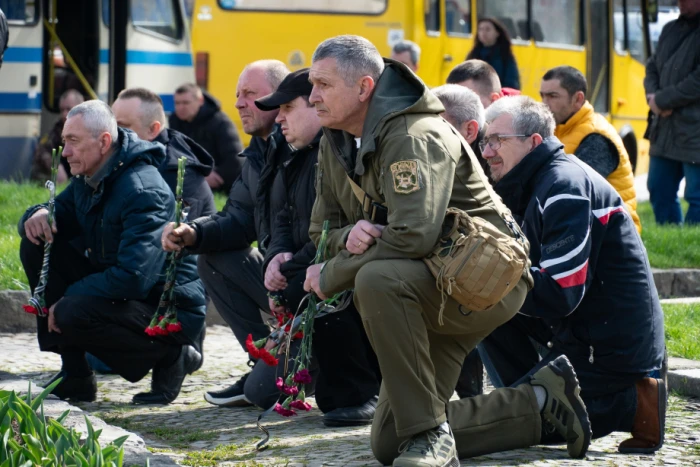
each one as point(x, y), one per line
point(349, 371)
point(112, 330)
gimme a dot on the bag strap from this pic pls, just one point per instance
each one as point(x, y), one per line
point(369, 206)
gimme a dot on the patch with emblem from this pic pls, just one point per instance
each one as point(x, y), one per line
point(406, 176)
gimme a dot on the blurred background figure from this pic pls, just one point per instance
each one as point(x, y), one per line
point(408, 53)
point(4, 35)
point(41, 165)
point(199, 116)
point(493, 46)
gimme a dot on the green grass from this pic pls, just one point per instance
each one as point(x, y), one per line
point(220, 200)
point(682, 326)
point(669, 246)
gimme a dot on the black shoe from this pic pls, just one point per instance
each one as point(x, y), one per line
point(352, 416)
point(232, 396)
point(166, 382)
point(74, 388)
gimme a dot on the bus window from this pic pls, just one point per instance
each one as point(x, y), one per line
point(368, 7)
point(557, 21)
point(458, 16)
point(19, 12)
point(432, 15)
point(157, 16)
point(512, 13)
point(629, 28)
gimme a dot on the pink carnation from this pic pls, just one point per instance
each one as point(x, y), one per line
point(288, 390)
point(302, 377)
point(300, 405)
point(284, 412)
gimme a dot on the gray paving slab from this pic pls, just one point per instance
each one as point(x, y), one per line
point(192, 432)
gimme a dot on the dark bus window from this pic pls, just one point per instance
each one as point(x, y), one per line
point(158, 16)
point(599, 57)
point(512, 13)
point(458, 16)
point(432, 15)
point(19, 12)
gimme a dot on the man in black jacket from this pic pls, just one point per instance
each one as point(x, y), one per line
point(199, 116)
point(141, 111)
point(229, 266)
point(348, 380)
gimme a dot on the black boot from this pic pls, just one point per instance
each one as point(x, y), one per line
point(75, 388)
point(352, 416)
point(166, 381)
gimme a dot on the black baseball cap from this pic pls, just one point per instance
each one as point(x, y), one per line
point(295, 85)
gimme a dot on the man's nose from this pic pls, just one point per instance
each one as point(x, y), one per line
point(279, 118)
point(240, 103)
point(314, 97)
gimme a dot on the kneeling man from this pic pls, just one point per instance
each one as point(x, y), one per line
point(594, 298)
point(107, 268)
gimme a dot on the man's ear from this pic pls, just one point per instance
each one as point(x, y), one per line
point(536, 140)
point(154, 130)
point(366, 88)
point(105, 142)
point(495, 96)
point(579, 99)
point(470, 129)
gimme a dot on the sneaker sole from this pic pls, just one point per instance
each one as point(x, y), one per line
point(572, 391)
point(236, 401)
point(662, 422)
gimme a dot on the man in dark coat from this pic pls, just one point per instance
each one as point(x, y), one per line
point(199, 116)
point(348, 381)
point(107, 269)
point(141, 111)
point(672, 85)
point(594, 298)
point(229, 266)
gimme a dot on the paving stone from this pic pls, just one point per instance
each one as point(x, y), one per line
point(192, 432)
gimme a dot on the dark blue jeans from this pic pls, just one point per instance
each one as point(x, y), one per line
point(665, 176)
point(511, 354)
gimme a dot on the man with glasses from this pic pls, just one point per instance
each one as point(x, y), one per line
point(594, 298)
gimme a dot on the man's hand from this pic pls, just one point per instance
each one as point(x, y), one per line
point(37, 229)
point(651, 99)
point(275, 308)
point(312, 282)
point(174, 239)
point(52, 319)
point(214, 180)
point(362, 235)
point(274, 280)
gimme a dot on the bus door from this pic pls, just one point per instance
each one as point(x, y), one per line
point(155, 51)
point(20, 88)
point(598, 75)
point(458, 39)
point(427, 33)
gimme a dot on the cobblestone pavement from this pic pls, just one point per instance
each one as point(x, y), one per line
point(195, 433)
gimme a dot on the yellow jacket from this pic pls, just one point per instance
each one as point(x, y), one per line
point(587, 121)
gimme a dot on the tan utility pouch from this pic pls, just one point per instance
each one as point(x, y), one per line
point(475, 263)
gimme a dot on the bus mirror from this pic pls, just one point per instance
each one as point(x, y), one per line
point(653, 10)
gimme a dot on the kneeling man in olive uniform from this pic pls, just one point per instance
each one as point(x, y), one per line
point(383, 135)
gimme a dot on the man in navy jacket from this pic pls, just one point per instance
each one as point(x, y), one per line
point(594, 298)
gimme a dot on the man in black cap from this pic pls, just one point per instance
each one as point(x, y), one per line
point(348, 380)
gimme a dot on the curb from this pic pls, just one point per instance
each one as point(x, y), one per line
point(677, 282)
point(135, 452)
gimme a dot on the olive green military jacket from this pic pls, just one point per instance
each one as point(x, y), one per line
point(410, 159)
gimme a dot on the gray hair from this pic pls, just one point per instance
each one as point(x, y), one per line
point(355, 56)
point(529, 116)
point(408, 46)
point(97, 118)
point(461, 104)
point(275, 71)
point(72, 94)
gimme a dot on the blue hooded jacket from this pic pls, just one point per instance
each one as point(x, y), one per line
point(119, 225)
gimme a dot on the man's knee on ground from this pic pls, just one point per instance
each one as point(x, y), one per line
point(384, 443)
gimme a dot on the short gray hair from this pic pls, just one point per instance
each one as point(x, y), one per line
point(275, 71)
point(408, 46)
point(97, 118)
point(355, 57)
point(461, 104)
point(529, 116)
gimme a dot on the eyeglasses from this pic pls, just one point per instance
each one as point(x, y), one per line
point(495, 141)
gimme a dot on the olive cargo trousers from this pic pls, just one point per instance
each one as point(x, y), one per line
point(420, 361)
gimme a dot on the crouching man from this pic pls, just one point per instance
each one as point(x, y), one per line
point(107, 268)
point(594, 298)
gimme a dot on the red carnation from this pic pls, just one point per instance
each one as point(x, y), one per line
point(298, 335)
point(288, 390)
point(174, 327)
point(268, 358)
point(284, 412)
point(302, 377)
point(30, 309)
point(300, 405)
point(251, 348)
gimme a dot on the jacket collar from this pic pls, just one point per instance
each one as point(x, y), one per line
point(575, 120)
point(517, 185)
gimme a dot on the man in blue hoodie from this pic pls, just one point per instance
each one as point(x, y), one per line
point(107, 269)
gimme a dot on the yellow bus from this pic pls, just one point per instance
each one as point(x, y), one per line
point(606, 39)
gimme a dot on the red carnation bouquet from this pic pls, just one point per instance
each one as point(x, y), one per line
point(165, 320)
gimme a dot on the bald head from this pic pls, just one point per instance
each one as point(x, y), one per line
point(140, 110)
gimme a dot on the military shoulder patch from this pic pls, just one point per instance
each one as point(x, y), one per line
point(406, 176)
